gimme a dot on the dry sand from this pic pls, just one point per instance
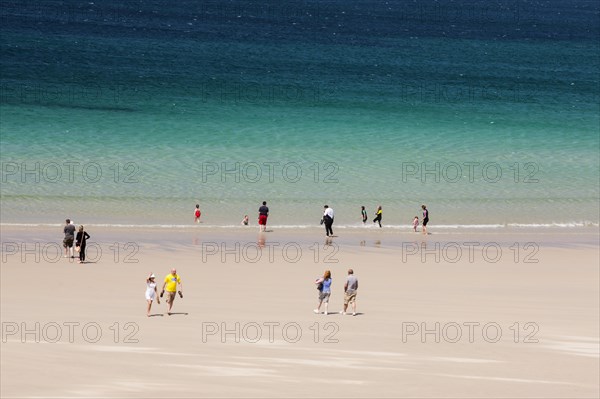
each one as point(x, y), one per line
point(527, 329)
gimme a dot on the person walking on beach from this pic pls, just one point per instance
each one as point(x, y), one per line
point(328, 220)
point(263, 215)
point(170, 285)
point(378, 215)
point(80, 243)
point(425, 218)
point(350, 292)
point(69, 232)
point(151, 292)
point(197, 214)
point(324, 287)
point(363, 214)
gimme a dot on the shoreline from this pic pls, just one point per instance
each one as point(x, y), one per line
point(193, 235)
point(352, 226)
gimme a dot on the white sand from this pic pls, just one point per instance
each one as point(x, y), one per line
point(175, 356)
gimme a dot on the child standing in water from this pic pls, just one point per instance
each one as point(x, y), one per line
point(245, 220)
point(415, 223)
point(197, 213)
point(378, 215)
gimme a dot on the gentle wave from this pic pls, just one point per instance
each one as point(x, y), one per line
point(298, 226)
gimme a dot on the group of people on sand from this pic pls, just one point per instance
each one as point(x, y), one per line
point(79, 239)
point(324, 288)
point(172, 281)
point(327, 219)
point(170, 284)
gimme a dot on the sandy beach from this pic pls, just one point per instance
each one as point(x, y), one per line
point(430, 322)
point(478, 119)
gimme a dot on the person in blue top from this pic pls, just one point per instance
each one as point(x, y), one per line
point(324, 287)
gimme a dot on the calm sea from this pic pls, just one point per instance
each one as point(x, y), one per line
point(488, 112)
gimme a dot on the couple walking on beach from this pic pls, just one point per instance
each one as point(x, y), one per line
point(350, 288)
point(172, 280)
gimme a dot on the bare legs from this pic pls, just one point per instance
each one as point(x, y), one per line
point(353, 308)
point(170, 301)
point(318, 309)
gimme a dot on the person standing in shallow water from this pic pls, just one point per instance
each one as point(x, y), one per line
point(363, 214)
point(263, 215)
point(197, 214)
point(415, 223)
point(425, 218)
point(378, 215)
point(328, 220)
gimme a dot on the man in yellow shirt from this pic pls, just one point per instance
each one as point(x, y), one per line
point(170, 284)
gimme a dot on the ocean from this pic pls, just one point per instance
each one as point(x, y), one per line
point(131, 114)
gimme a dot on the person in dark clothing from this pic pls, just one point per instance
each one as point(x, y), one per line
point(80, 242)
point(425, 218)
point(363, 214)
point(263, 215)
point(378, 215)
point(328, 220)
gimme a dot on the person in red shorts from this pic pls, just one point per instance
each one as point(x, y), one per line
point(197, 213)
point(263, 214)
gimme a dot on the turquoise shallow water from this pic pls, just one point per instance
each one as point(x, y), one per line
point(487, 118)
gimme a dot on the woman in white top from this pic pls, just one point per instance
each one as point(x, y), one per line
point(151, 292)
